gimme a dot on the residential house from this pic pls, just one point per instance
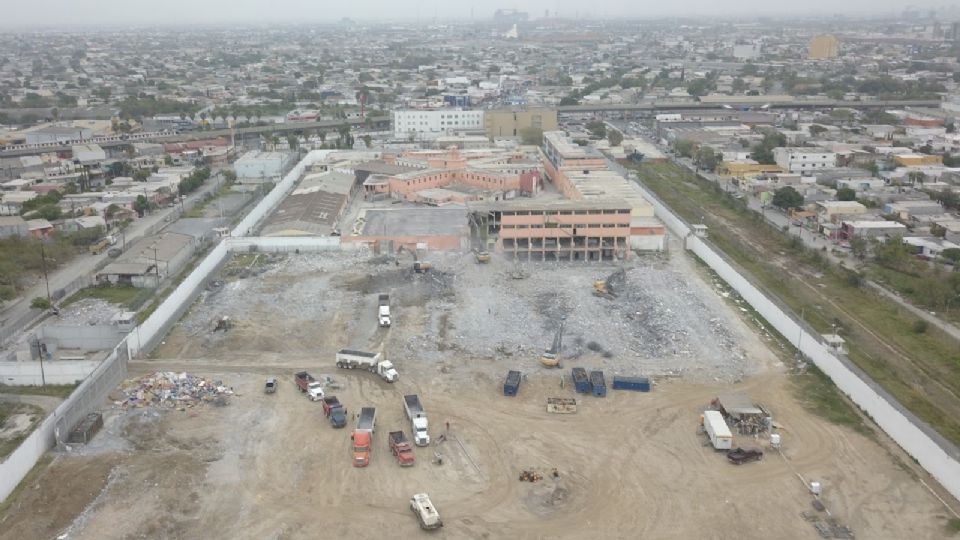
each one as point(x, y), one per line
point(13, 226)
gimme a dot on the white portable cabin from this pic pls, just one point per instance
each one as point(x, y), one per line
point(717, 429)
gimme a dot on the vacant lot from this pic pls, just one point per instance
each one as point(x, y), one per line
point(630, 465)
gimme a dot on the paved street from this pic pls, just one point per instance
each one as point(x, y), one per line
point(15, 315)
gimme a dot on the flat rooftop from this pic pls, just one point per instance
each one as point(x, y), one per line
point(415, 222)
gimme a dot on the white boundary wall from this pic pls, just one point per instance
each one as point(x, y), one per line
point(937, 455)
point(87, 398)
point(54, 372)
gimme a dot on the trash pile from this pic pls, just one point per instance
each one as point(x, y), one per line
point(169, 389)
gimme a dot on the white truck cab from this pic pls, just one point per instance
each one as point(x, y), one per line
point(315, 391)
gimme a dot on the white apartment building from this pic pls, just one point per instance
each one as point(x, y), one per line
point(802, 160)
point(428, 125)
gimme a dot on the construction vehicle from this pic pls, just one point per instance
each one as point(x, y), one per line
point(383, 310)
point(308, 385)
point(333, 409)
point(512, 385)
point(348, 359)
point(362, 436)
point(100, 245)
point(418, 419)
point(400, 447)
point(609, 287)
point(426, 513)
point(418, 265)
point(551, 357)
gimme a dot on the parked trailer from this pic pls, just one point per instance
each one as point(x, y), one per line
point(512, 384)
point(717, 430)
point(560, 405)
point(580, 381)
point(86, 429)
point(637, 384)
point(598, 386)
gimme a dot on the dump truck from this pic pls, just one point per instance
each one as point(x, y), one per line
point(426, 513)
point(418, 419)
point(597, 384)
point(717, 430)
point(362, 436)
point(383, 310)
point(512, 385)
point(349, 359)
point(580, 381)
point(309, 386)
point(333, 409)
point(400, 447)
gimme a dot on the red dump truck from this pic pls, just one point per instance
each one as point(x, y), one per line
point(401, 448)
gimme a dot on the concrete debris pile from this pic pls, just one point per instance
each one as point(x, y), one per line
point(178, 390)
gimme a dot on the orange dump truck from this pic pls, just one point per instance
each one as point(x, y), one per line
point(363, 436)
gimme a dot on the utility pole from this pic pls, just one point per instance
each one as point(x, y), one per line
point(156, 264)
point(43, 265)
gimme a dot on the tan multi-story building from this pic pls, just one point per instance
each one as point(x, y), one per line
point(824, 47)
point(513, 123)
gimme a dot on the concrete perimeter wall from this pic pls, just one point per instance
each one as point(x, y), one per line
point(938, 456)
point(87, 398)
point(54, 372)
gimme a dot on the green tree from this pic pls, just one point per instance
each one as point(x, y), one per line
point(367, 140)
point(787, 197)
point(597, 129)
point(614, 137)
point(846, 194)
point(683, 147)
point(141, 205)
point(707, 158)
point(762, 154)
point(229, 176)
point(859, 246)
point(569, 100)
point(816, 129)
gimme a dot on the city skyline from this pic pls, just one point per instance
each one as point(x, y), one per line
point(59, 13)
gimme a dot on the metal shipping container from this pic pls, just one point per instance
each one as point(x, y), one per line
point(580, 381)
point(512, 384)
point(597, 385)
point(637, 384)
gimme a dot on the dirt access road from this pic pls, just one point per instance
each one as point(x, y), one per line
point(631, 466)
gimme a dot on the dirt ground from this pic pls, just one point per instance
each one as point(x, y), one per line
point(631, 465)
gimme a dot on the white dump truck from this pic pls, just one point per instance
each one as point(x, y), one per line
point(372, 362)
point(717, 430)
point(418, 419)
point(426, 513)
point(383, 310)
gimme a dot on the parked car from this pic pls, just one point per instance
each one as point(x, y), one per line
point(270, 386)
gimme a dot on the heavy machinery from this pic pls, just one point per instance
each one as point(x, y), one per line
point(418, 265)
point(608, 288)
point(551, 357)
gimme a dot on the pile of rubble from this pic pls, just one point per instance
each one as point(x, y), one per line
point(169, 389)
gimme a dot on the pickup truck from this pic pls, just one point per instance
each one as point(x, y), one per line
point(333, 410)
point(400, 447)
point(270, 386)
point(309, 386)
point(739, 456)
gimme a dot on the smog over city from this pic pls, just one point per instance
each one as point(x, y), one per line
point(539, 269)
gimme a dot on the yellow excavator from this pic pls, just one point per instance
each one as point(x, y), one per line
point(551, 357)
point(418, 265)
point(607, 288)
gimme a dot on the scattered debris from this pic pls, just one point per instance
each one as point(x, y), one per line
point(168, 389)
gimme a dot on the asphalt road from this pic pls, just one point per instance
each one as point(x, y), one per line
point(15, 315)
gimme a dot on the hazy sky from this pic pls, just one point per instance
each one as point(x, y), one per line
point(112, 12)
